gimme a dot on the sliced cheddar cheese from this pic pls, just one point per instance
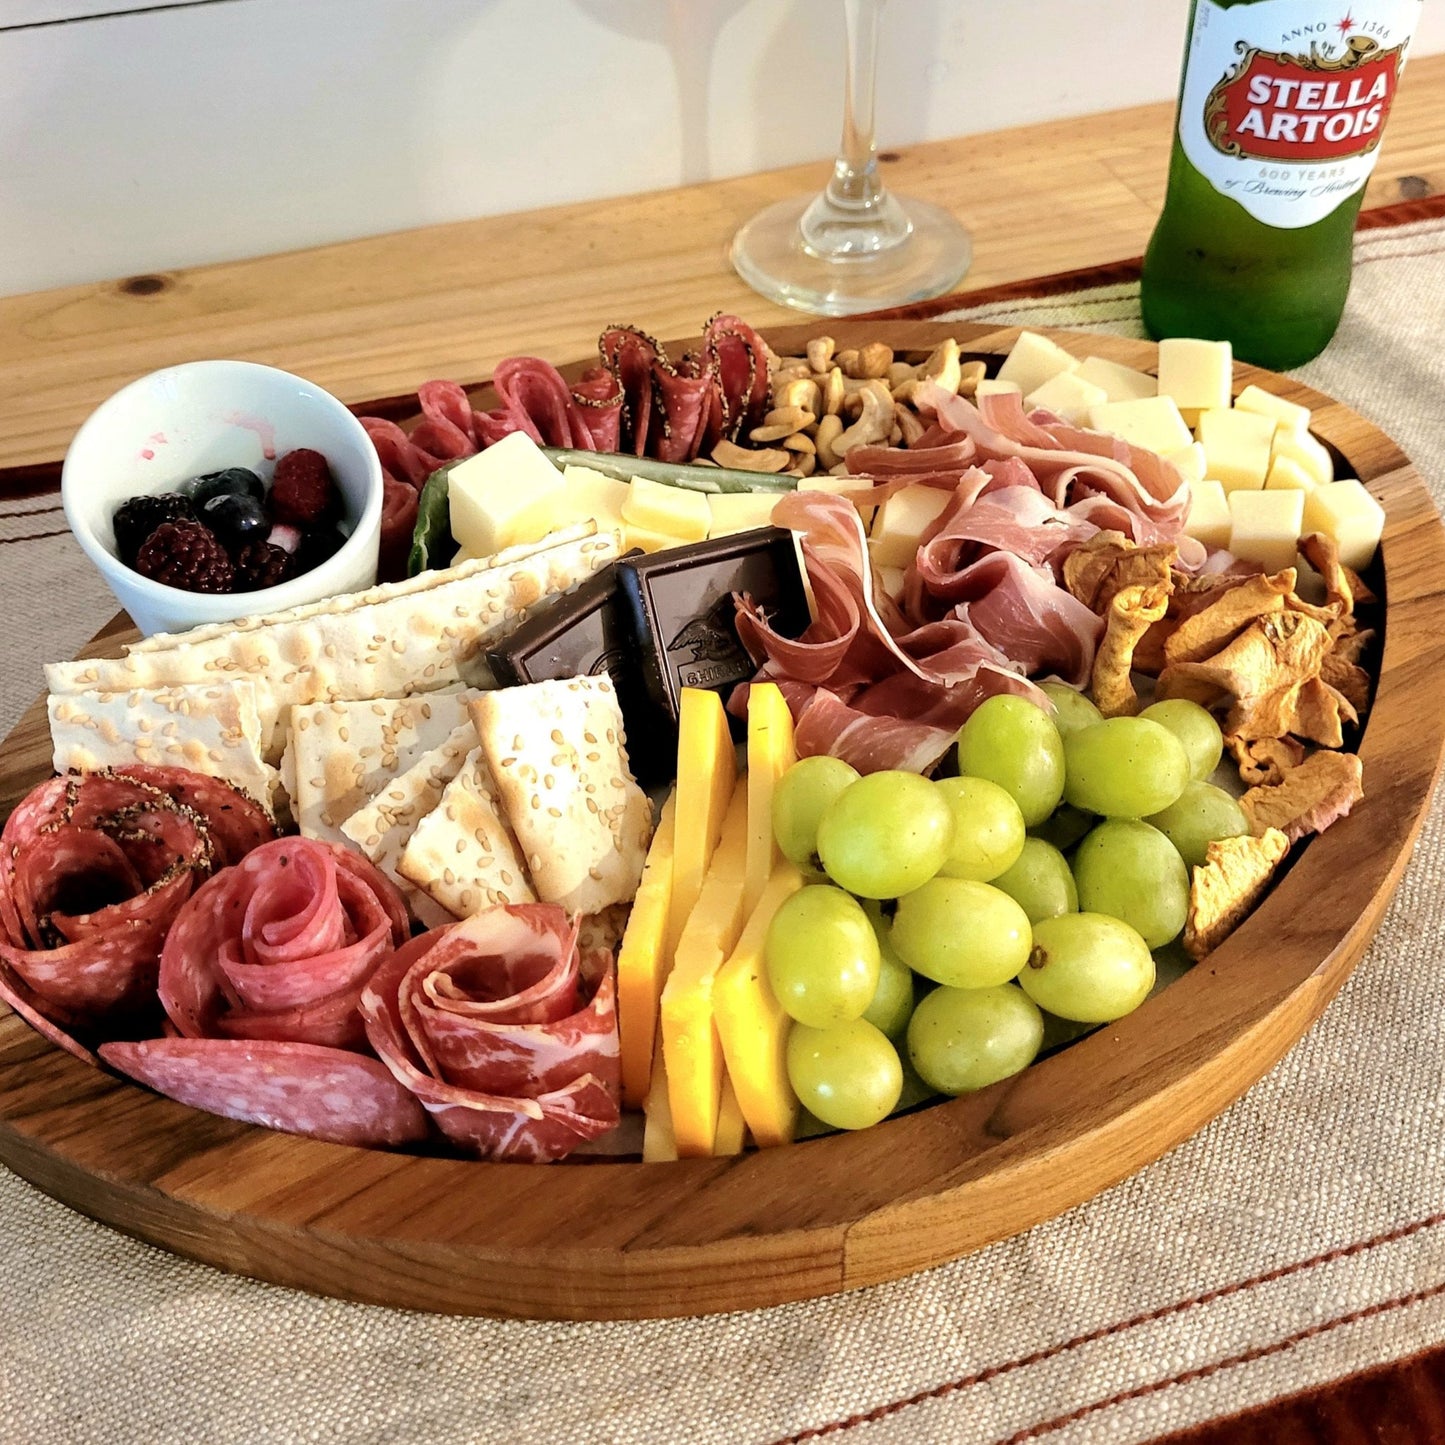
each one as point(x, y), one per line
point(658, 1142)
point(751, 1024)
point(675, 511)
point(770, 754)
point(707, 768)
point(642, 961)
point(732, 1129)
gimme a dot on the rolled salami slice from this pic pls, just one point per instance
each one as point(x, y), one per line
point(328, 1094)
point(504, 1031)
point(236, 822)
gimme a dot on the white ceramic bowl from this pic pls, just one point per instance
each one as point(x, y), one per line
point(199, 417)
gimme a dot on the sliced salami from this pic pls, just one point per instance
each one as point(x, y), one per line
point(329, 1094)
point(236, 823)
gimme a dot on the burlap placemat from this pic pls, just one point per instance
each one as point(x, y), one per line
point(1299, 1238)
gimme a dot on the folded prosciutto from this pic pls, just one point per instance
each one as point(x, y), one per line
point(504, 1030)
point(279, 946)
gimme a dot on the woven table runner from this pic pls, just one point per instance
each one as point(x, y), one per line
point(1298, 1239)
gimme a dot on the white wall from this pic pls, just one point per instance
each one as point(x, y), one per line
point(182, 133)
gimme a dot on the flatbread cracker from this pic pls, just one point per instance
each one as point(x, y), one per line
point(558, 754)
point(462, 854)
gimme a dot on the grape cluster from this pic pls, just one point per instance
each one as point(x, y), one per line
point(944, 933)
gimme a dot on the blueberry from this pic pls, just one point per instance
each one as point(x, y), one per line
point(317, 545)
point(237, 481)
point(236, 517)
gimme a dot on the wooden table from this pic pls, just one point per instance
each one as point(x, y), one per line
point(373, 318)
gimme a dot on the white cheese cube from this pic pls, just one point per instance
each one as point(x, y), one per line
point(1286, 472)
point(992, 386)
point(1190, 463)
point(1265, 526)
point(1121, 383)
point(739, 512)
point(890, 579)
point(590, 493)
point(1289, 414)
point(1152, 422)
point(1236, 447)
point(498, 497)
point(1067, 397)
point(1345, 511)
point(1209, 520)
point(672, 511)
point(648, 540)
point(1197, 374)
point(1308, 451)
point(1034, 360)
point(901, 522)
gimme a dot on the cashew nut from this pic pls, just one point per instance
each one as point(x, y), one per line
point(830, 428)
point(747, 459)
point(820, 353)
point(833, 393)
point(875, 421)
point(900, 372)
point(971, 374)
point(942, 367)
point(782, 422)
point(910, 425)
point(799, 442)
point(801, 392)
point(874, 360)
point(847, 361)
point(805, 465)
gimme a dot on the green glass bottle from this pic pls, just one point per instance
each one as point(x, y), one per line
point(1281, 108)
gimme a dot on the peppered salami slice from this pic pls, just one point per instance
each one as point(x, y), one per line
point(329, 1094)
point(237, 823)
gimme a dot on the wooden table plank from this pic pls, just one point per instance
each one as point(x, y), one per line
point(374, 317)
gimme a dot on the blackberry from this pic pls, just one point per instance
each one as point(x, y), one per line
point(187, 555)
point(259, 564)
point(138, 517)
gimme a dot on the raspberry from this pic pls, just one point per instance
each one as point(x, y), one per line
point(259, 564)
point(137, 518)
point(187, 555)
point(302, 490)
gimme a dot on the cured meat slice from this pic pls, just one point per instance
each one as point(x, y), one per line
point(537, 401)
point(329, 1094)
point(400, 458)
point(236, 823)
point(737, 361)
point(870, 743)
point(279, 946)
point(504, 1030)
point(399, 504)
point(599, 395)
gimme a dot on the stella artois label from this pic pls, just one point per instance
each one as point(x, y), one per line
point(1284, 102)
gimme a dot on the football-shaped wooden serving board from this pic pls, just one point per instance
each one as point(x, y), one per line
point(607, 1239)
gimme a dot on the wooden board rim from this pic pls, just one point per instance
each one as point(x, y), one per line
point(623, 1240)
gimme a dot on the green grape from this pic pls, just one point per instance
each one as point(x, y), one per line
point(1124, 767)
point(988, 829)
point(885, 835)
point(822, 957)
point(1072, 710)
point(848, 1076)
point(1196, 728)
point(961, 933)
point(1014, 743)
point(799, 801)
point(1199, 815)
point(962, 1039)
point(916, 1090)
point(1040, 882)
point(1088, 967)
point(1064, 826)
point(1134, 873)
point(892, 1004)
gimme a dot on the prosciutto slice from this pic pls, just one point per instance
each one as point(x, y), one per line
point(279, 946)
point(504, 1030)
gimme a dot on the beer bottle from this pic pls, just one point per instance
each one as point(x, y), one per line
point(1281, 108)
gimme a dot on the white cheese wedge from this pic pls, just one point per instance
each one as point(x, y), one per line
point(1189, 461)
point(503, 496)
point(1146, 421)
point(674, 511)
point(1066, 396)
point(1345, 511)
point(1209, 519)
point(901, 522)
point(1265, 526)
point(1236, 447)
point(1033, 360)
point(730, 512)
point(1197, 374)
point(1289, 414)
point(1308, 451)
point(1120, 383)
point(1286, 472)
point(992, 386)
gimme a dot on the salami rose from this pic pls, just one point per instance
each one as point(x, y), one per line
point(279, 946)
point(504, 1031)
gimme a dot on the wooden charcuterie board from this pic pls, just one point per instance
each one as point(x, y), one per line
point(619, 1239)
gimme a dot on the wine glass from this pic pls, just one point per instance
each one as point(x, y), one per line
point(855, 247)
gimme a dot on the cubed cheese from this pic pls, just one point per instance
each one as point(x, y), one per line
point(1033, 360)
point(1120, 383)
point(1190, 462)
point(1197, 374)
point(890, 579)
point(1308, 451)
point(647, 540)
point(1286, 472)
point(590, 493)
point(1345, 511)
point(503, 495)
point(992, 386)
point(1236, 447)
point(842, 487)
point(1146, 421)
point(731, 512)
point(1209, 520)
point(1288, 414)
point(901, 521)
point(1066, 396)
point(672, 511)
point(1265, 526)
point(642, 962)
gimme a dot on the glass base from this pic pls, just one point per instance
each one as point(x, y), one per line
point(769, 254)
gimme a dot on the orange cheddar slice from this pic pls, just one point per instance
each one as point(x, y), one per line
point(643, 960)
point(707, 768)
point(658, 1143)
point(770, 755)
point(732, 1129)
